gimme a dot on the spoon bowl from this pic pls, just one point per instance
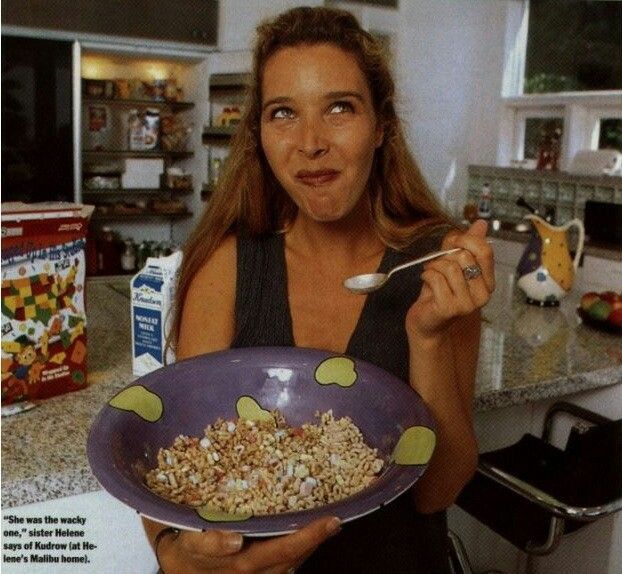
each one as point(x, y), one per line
point(366, 283)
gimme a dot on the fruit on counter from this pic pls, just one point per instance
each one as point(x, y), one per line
point(605, 306)
point(588, 299)
point(615, 317)
point(599, 310)
point(611, 297)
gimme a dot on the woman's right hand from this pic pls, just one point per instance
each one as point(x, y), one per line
point(224, 553)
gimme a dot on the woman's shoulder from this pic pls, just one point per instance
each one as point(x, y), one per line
point(209, 305)
point(219, 263)
point(215, 278)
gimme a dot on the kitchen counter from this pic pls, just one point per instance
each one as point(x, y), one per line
point(527, 354)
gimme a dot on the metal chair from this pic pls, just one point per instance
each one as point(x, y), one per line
point(458, 557)
point(532, 493)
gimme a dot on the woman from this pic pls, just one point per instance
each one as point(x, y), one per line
point(320, 186)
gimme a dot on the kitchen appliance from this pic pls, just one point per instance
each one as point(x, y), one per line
point(37, 123)
point(596, 162)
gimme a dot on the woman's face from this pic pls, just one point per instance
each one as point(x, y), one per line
point(318, 128)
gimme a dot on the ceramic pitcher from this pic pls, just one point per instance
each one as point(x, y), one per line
point(546, 271)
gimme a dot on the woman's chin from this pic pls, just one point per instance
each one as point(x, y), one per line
point(324, 211)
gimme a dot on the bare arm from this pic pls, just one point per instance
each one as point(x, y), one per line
point(443, 373)
point(443, 328)
point(207, 320)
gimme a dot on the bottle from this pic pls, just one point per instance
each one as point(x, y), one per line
point(484, 207)
point(108, 261)
point(215, 171)
point(144, 251)
point(128, 257)
point(135, 131)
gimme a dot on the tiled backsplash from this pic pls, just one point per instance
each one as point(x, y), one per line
point(568, 193)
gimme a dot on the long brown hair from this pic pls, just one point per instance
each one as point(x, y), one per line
point(248, 197)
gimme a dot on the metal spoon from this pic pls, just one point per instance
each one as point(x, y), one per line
point(369, 282)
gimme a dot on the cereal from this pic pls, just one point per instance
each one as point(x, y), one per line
point(266, 467)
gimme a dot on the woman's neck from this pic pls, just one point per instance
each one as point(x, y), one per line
point(353, 238)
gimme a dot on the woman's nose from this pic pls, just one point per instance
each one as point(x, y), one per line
point(312, 138)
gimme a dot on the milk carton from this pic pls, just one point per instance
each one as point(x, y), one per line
point(153, 296)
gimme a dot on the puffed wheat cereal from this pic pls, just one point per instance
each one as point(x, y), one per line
point(266, 467)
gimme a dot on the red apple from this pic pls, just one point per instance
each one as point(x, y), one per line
point(610, 297)
point(588, 299)
point(615, 317)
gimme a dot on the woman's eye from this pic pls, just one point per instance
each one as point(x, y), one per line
point(282, 114)
point(341, 107)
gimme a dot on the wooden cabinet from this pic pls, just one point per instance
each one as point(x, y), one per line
point(179, 22)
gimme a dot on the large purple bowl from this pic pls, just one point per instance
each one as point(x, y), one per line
point(185, 397)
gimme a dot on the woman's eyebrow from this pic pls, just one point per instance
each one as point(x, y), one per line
point(344, 94)
point(328, 96)
point(277, 100)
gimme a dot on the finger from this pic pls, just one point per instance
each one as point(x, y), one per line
point(454, 276)
point(481, 250)
point(212, 543)
point(441, 293)
point(291, 549)
point(477, 286)
point(478, 228)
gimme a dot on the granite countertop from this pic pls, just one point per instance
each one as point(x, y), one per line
point(526, 354)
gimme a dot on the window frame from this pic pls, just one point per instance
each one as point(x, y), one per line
point(581, 111)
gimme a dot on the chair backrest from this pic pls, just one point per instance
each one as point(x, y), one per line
point(596, 454)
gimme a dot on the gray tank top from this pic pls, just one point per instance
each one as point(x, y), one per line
point(394, 539)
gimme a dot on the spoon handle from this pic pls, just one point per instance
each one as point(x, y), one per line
point(423, 259)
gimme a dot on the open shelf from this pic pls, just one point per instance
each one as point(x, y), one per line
point(214, 133)
point(138, 154)
point(134, 191)
point(173, 106)
point(232, 82)
point(139, 216)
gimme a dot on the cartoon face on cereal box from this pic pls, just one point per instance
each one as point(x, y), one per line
point(43, 314)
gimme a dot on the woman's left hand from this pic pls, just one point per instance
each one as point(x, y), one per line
point(455, 285)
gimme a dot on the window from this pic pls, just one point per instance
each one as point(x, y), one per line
point(573, 45)
point(563, 80)
point(610, 134)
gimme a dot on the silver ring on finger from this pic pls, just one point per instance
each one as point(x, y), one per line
point(472, 272)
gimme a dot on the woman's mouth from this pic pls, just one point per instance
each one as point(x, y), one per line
point(318, 177)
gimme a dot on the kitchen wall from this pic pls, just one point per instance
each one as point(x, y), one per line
point(450, 56)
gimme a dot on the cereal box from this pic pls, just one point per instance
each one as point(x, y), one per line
point(43, 314)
